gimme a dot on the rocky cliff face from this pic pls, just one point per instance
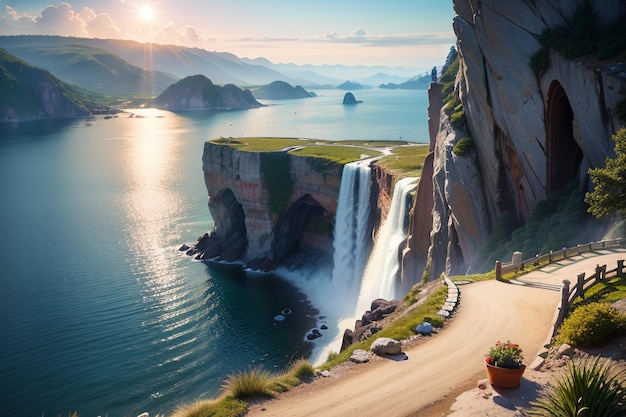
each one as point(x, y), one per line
point(248, 226)
point(531, 134)
point(32, 93)
point(277, 209)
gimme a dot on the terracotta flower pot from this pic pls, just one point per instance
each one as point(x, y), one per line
point(504, 377)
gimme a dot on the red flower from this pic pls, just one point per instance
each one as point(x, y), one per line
point(489, 360)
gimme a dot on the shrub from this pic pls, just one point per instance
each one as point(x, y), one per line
point(591, 324)
point(463, 146)
point(253, 383)
point(590, 387)
point(539, 62)
point(458, 119)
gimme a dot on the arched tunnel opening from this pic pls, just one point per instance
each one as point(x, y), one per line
point(564, 153)
point(303, 235)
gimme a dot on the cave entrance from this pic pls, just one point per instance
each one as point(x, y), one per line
point(230, 225)
point(564, 153)
point(303, 235)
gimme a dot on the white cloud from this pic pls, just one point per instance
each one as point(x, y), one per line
point(60, 20)
point(99, 25)
point(358, 32)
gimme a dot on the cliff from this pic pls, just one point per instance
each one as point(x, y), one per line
point(28, 93)
point(532, 131)
point(274, 205)
point(197, 92)
point(262, 219)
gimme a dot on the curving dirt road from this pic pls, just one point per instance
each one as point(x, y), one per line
point(489, 311)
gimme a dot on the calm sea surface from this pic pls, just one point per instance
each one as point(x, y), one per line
point(100, 312)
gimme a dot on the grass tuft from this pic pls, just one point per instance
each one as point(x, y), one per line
point(590, 387)
point(256, 382)
point(224, 407)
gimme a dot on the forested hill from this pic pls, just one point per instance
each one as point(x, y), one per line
point(28, 92)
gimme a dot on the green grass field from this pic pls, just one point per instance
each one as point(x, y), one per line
point(405, 159)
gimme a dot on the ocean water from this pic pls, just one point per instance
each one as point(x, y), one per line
point(101, 314)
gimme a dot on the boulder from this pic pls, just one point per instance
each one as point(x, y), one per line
point(360, 356)
point(386, 346)
point(424, 328)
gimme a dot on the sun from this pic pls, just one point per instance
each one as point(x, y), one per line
point(146, 13)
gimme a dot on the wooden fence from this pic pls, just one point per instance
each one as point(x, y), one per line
point(554, 256)
point(570, 293)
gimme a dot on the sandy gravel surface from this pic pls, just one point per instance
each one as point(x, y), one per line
point(448, 364)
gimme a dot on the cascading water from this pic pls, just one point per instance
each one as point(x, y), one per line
point(337, 296)
point(380, 278)
point(351, 248)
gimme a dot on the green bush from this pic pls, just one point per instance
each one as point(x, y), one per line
point(458, 119)
point(591, 387)
point(463, 146)
point(539, 62)
point(591, 324)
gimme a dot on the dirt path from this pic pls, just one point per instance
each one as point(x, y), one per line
point(489, 311)
point(442, 366)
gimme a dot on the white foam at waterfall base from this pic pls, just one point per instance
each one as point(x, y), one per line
point(335, 292)
point(380, 278)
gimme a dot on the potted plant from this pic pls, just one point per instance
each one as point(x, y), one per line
point(504, 365)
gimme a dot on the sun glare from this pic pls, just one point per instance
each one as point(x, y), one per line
point(146, 13)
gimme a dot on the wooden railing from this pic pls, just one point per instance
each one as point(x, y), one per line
point(554, 256)
point(582, 284)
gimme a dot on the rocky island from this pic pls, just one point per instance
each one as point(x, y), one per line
point(280, 90)
point(197, 92)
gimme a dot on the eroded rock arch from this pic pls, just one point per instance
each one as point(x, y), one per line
point(564, 154)
point(304, 230)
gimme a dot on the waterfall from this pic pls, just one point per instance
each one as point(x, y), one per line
point(351, 233)
point(380, 278)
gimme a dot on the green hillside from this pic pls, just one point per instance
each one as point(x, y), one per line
point(28, 92)
point(95, 69)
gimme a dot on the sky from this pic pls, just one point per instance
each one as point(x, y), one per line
point(393, 33)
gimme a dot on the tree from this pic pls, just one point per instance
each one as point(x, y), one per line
point(609, 193)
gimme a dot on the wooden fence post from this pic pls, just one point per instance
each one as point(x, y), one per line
point(620, 268)
point(498, 270)
point(563, 306)
point(580, 290)
point(550, 257)
point(600, 272)
point(577, 249)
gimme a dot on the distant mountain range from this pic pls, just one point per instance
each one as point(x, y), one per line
point(415, 83)
point(119, 65)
